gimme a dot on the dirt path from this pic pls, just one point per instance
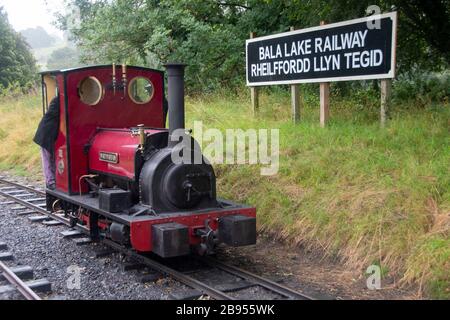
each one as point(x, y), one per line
point(312, 274)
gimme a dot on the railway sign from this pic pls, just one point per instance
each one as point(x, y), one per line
point(357, 49)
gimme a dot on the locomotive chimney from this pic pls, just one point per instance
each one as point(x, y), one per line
point(175, 87)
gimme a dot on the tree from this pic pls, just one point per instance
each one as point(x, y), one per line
point(63, 58)
point(209, 35)
point(17, 64)
point(424, 26)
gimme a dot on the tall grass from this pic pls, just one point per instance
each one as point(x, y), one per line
point(351, 190)
point(19, 117)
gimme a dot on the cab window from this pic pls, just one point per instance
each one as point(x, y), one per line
point(141, 90)
point(90, 91)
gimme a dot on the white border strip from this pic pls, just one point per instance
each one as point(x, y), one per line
point(391, 74)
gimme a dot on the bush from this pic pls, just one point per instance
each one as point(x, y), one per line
point(422, 88)
point(15, 90)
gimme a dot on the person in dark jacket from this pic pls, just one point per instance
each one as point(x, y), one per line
point(45, 137)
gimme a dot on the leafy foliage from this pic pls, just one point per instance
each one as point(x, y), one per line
point(64, 58)
point(422, 88)
point(17, 64)
point(210, 34)
point(424, 26)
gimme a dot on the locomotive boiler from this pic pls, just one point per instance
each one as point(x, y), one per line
point(115, 168)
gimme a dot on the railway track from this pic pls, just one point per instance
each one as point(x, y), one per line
point(17, 283)
point(19, 278)
point(33, 202)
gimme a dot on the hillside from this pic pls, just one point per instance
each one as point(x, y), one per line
point(38, 38)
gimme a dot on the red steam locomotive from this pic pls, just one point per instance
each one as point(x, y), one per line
point(114, 172)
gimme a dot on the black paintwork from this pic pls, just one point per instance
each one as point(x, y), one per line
point(170, 240)
point(169, 187)
point(114, 200)
point(237, 230)
point(175, 84)
point(90, 203)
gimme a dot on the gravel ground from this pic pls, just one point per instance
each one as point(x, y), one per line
point(44, 249)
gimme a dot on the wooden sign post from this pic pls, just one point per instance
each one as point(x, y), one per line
point(324, 99)
point(295, 100)
point(386, 85)
point(254, 94)
point(324, 103)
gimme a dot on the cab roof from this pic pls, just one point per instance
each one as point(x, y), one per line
point(70, 70)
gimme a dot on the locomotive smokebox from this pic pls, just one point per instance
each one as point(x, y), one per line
point(175, 75)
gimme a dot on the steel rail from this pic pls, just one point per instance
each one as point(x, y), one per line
point(257, 280)
point(183, 278)
point(37, 208)
point(15, 184)
point(16, 282)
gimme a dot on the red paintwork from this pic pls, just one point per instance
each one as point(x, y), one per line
point(119, 142)
point(62, 170)
point(112, 112)
point(141, 231)
point(102, 224)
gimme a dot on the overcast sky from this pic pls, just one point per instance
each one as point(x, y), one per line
point(24, 14)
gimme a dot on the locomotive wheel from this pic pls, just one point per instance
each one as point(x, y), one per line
point(73, 221)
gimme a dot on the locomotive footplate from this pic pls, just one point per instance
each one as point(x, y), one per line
point(235, 224)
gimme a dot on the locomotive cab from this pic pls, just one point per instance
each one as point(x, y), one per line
point(116, 175)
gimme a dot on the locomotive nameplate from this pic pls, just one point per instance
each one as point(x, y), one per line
point(109, 157)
